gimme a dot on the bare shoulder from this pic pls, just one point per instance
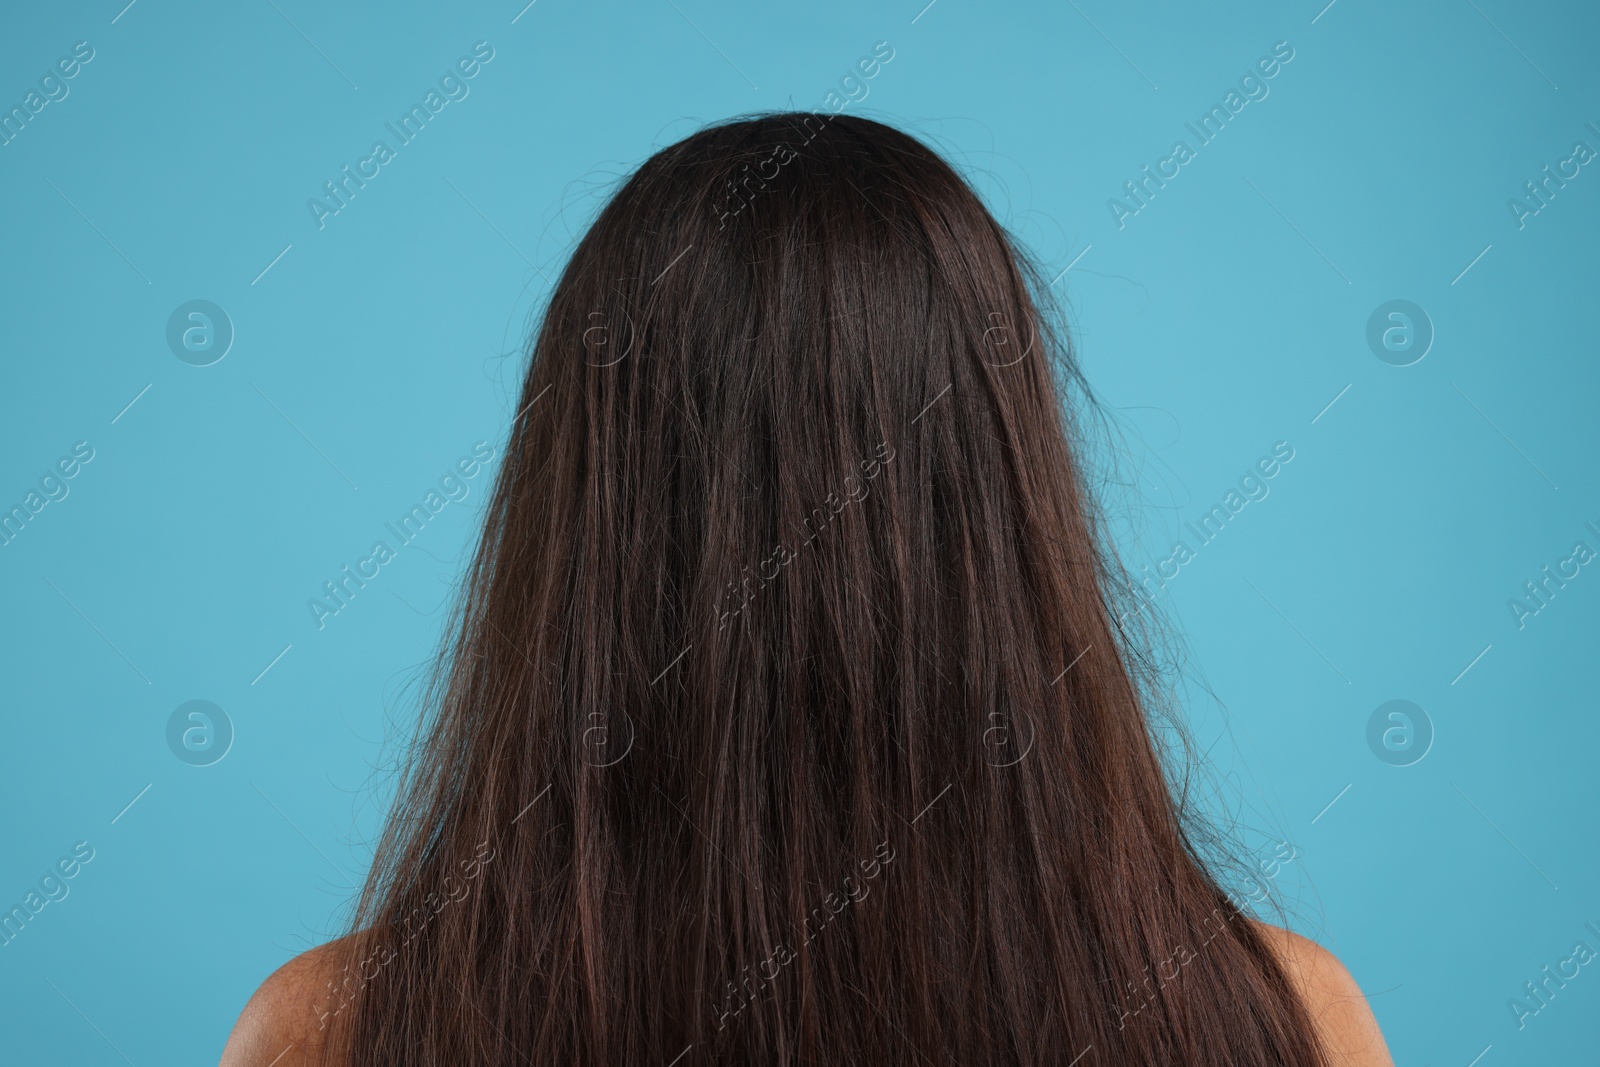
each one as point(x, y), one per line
point(1335, 1002)
point(289, 1020)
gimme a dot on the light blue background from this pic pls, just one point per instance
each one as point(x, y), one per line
point(1382, 560)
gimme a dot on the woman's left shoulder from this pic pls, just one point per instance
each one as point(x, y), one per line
point(1345, 1023)
point(288, 1022)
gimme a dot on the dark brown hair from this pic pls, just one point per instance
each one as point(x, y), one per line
point(787, 715)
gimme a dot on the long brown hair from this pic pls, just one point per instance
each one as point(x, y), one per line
point(788, 716)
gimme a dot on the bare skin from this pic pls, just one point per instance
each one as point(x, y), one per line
point(1344, 1022)
point(286, 1023)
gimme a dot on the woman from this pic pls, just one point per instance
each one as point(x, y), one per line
point(787, 715)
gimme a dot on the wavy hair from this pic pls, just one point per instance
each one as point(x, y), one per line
point(786, 714)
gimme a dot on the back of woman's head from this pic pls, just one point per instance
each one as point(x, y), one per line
point(786, 718)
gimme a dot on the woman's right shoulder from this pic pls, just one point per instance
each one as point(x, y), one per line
point(1338, 1009)
point(290, 1020)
